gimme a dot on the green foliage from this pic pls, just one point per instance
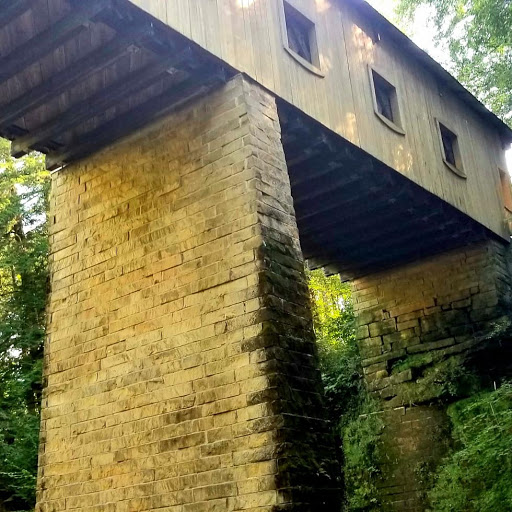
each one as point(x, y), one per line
point(412, 362)
point(333, 312)
point(476, 477)
point(23, 289)
point(333, 317)
point(436, 376)
point(351, 409)
point(478, 36)
point(361, 431)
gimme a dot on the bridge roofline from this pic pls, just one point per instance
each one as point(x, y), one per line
point(447, 79)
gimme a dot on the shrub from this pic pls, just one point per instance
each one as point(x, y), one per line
point(352, 411)
point(477, 475)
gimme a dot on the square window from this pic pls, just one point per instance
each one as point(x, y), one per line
point(385, 101)
point(451, 151)
point(385, 94)
point(300, 37)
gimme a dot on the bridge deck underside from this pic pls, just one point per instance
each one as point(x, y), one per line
point(75, 75)
point(356, 215)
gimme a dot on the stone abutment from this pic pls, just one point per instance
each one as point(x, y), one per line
point(181, 369)
point(419, 326)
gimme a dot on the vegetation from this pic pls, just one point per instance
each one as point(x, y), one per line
point(477, 34)
point(352, 410)
point(476, 476)
point(333, 316)
point(23, 278)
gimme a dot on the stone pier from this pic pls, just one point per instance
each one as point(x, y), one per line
point(418, 325)
point(180, 367)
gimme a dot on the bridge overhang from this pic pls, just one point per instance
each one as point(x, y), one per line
point(76, 76)
point(357, 216)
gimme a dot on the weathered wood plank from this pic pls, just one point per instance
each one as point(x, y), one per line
point(399, 255)
point(350, 234)
point(12, 9)
point(332, 205)
point(196, 85)
point(97, 103)
point(72, 75)
point(50, 39)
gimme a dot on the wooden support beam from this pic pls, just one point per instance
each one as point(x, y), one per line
point(71, 76)
point(362, 215)
point(343, 196)
point(412, 244)
point(466, 236)
point(97, 103)
point(318, 174)
point(375, 245)
point(126, 123)
point(368, 229)
point(50, 39)
point(306, 151)
point(413, 240)
point(12, 9)
point(353, 197)
point(160, 44)
point(325, 164)
point(327, 189)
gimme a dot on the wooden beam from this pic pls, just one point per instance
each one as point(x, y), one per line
point(327, 189)
point(372, 237)
point(365, 211)
point(414, 242)
point(160, 44)
point(12, 9)
point(310, 177)
point(326, 163)
point(306, 151)
point(466, 236)
point(126, 123)
point(97, 103)
point(50, 39)
point(369, 229)
point(342, 193)
point(310, 218)
point(71, 76)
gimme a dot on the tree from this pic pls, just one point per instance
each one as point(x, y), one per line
point(23, 290)
point(478, 34)
point(333, 317)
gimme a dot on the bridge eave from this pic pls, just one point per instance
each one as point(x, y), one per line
point(76, 78)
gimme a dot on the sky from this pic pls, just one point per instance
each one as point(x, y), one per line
point(422, 32)
point(421, 28)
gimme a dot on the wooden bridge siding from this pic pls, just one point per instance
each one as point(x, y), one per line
point(249, 38)
point(418, 154)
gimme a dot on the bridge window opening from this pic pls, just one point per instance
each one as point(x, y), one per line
point(299, 38)
point(385, 101)
point(451, 150)
point(506, 190)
